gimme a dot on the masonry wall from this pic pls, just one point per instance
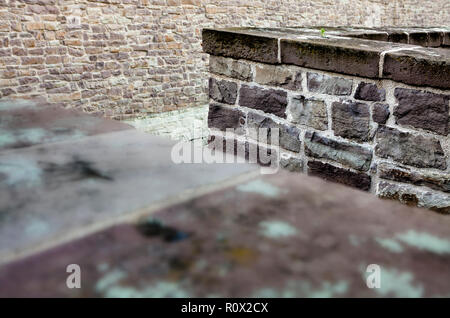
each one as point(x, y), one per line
point(377, 135)
point(125, 58)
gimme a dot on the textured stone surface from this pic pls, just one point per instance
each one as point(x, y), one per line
point(380, 113)
point(335, 174)
point(26, 123)
point(352, 155)
point(324, 84)
point(351, 120)
point(221, 118)
point(413, 150)
point(288, 135)
point(422, 109)
point(52, 191)
point(238, 45)
point(291, 164)
point(424, 68)
point(229, 67)
point(282, 76)
point(270, 101)
point(439, 202)
point(318, 244)
point(440, 182)
point(370, 92)
point(222, 91)
point(308, 111)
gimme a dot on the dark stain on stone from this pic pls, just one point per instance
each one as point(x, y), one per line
point(155, 228)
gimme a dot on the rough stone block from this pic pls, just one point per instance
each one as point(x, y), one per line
point(428, 67)
point(282, 76)
point(422, 109)
point(331, 173)
point(270, 101)
point(354, 156)
point(409, 149)
point(222, 118)
point(310, 112)
point(259, 48)
point(223, 91)
point(291, 164)
point(351, 120)
point(230, 68)
point(331, 85)
point(370, 92)
point(288, 135)
point(380, 113)
point(440, 182)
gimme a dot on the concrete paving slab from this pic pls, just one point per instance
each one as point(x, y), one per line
point(284, 235)
point(55, 192)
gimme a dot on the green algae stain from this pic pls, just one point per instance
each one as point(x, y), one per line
point(425, 241)
point(354, 240)
point(398, 283)
point(304, 289)
point(158, 290)
point(390, 244)
point(20, 171)
point(16, 104)
point(277, 229)
point(260, 187)
point(328, 290)
point(108, 280)
point(36, 228)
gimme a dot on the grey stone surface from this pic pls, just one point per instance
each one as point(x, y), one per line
point(311, 112)
point(271, 101)
point(422, 109)
point(230, 67)
point(352, 155)
point(351, 120)
point(291, 164)
point(409, 149)
point(380, 113)
point(222, 91)
point(275, 75)
point(288, 135)
point(370, 92)
point(51, 191)
point(331, 85)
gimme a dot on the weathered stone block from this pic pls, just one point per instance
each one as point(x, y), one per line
point(370, 92)
point(414, 197)
point(288, 135)
point(354, 156)
point(222, 91)
point(351, 120)
point(281, 76)
point(241, 46)
point(222, 118)
point(310, 112)
point(426, 68)
point(406, 148)
point(291, 164)
point(271, 101)
point(231, 68)
point(440, 182)
point(324, 84)
point(331, 173)
point(422, 109)
point(380, 113)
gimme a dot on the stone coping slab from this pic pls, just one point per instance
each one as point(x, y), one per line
point(54, 192)
point(24, 123)
point(351, 51)
point(282, 235)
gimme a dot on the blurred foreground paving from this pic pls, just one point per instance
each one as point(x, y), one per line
point(139, 225)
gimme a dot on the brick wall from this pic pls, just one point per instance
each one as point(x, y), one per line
point(124, 58)
point(368, 114)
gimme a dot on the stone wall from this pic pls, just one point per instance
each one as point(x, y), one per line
point(370, 114)
point(126, 58)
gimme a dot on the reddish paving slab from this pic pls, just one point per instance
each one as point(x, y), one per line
point(282, 235)
point(25, 123)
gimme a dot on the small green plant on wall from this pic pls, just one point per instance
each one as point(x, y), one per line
point(322, 32)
